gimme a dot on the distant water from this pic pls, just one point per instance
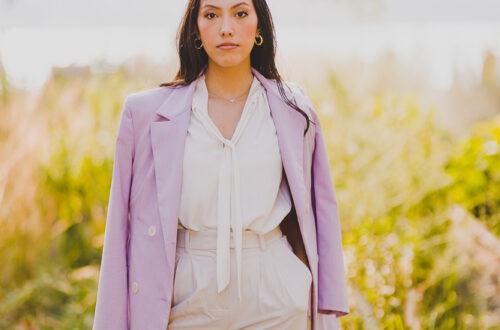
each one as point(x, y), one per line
point(440, 48)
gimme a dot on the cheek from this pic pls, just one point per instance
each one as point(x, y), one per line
point(208, 32)
point(248, 30)
point(204, 28)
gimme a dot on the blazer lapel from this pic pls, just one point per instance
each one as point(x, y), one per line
point(290, 126)
point(168, 136)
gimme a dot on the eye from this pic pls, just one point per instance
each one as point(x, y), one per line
point(242, 11)
point(210, 13)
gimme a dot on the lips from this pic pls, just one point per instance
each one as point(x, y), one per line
point(227, 46)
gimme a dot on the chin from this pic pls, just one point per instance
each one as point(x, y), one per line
point(228, 63)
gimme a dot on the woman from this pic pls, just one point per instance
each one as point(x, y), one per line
point(222, 211)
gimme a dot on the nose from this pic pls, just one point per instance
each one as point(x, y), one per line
point(226, 29)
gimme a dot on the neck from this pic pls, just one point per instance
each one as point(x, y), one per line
point(228, 82)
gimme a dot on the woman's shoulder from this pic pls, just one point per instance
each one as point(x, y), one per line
point(300, 96)
point(146, 98)
point(141, 106)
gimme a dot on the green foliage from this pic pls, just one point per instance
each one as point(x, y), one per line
point(476, 172)
point(395, 177)
point(54, 299)
point(54, 270)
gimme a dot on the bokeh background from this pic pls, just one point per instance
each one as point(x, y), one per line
point(408, 93)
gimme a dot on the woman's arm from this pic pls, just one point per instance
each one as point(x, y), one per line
point(111, 311)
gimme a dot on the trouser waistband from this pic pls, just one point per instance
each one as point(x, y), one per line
point(207, 239)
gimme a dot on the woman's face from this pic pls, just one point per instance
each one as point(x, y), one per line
point(227, 21)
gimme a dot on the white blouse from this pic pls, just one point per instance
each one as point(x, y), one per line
point(236, 184)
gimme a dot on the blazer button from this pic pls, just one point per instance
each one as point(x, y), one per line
point(152, 230)
point(135, 287)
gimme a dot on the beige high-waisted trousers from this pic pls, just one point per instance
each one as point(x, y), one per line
point(275, 284)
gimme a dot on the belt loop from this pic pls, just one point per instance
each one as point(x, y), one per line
point(186, 240)
point(262, 242)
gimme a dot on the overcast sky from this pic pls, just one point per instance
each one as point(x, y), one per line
point(443, 35)
point(310, 12)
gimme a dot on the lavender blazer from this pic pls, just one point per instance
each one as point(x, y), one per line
point(138, 259)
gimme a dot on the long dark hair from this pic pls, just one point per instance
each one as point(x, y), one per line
point(193, 62)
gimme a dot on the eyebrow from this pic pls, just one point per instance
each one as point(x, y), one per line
point(236, 5)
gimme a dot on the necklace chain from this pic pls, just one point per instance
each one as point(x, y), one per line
point(232, 100)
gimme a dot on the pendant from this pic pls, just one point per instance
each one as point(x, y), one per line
point(231, 100)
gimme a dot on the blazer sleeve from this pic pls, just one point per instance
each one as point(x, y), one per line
point(111, 310)
point(332, 284)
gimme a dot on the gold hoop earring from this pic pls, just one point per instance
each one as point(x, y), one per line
point(196, 46)
point(261, 40)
